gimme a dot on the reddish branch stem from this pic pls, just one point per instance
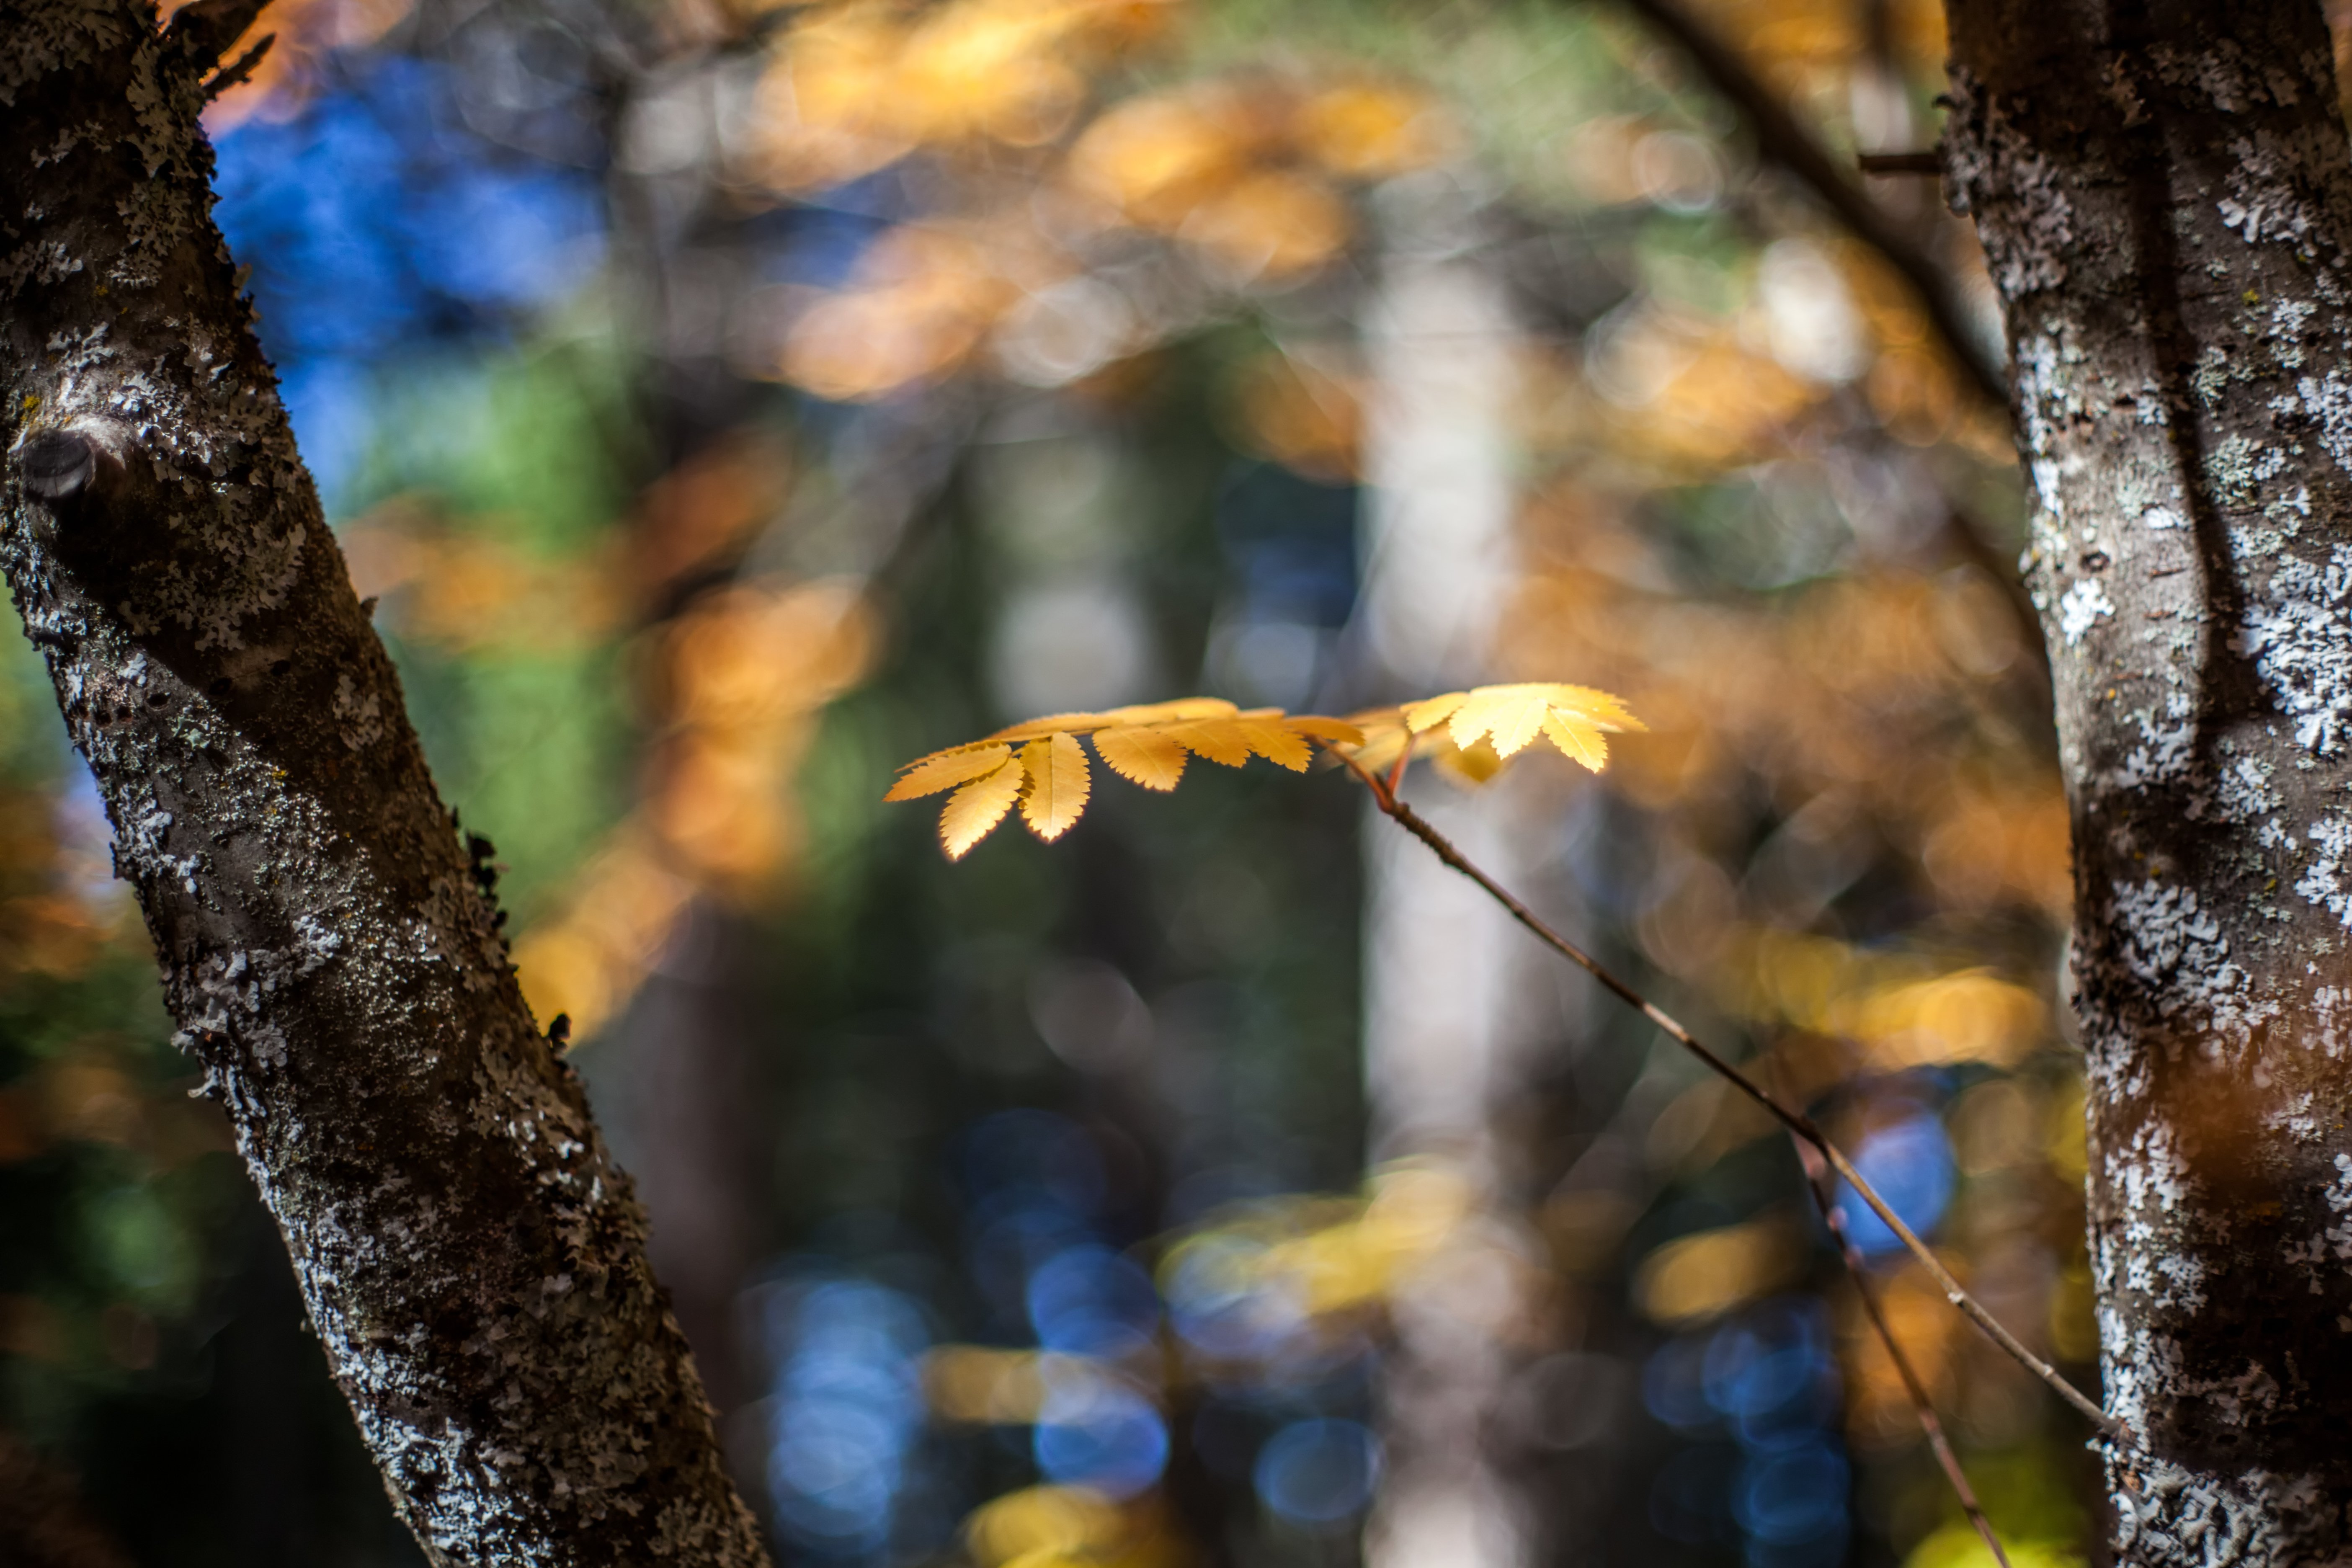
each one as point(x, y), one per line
point(1798, 1123)
point(1823, 1188)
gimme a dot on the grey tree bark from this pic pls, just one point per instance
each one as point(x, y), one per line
point(471, 1258)
point(2164, 190)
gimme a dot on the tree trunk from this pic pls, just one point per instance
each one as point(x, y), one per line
point(470, 1256)
point(2164, 198)
point(1446, 996)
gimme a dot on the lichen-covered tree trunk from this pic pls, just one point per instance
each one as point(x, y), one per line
point(2165, 196)
point(472, 1260)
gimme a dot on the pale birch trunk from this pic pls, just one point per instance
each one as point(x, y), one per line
point(1445, 967)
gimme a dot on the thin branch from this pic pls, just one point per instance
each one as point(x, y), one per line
point(1926, 162)
point(1819, 1182)
point(1780, 139)
point(200, 35)
point(1796, 1122)
point(240, 69)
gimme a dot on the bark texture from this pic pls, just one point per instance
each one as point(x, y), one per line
point(471, 1258)
point(2164, 198)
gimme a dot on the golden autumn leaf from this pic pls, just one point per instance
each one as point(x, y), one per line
point(1219, 740)
point(1575, 719)
point(1146, 744)
point(1055, 794)
point(933, 774)
point(1336, 732)
point(1385, 736)
point(974, 811)
point(1141, 756)
point(1271, 738)
point(1041, 764)
point(1488, 725)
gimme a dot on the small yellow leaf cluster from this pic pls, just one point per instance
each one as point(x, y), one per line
point(1041, 766)
point(1575, 718)
point(1471, 734)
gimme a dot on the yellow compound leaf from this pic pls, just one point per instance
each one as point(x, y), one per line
point(1054, 723)
point(1183, 708)
point(1055, 796)
point(945, 770)
point(1599, 709)
point(974, 811)
point(1468, 765)
point(1511, 716)
point(1578, 741)
point(1140, 755)
point(1219, 740)
point(1469, 735)
point(1042, 765)
point(1383, 736)
point(1264, 732)
point(1433, 712)
point(1316, 727)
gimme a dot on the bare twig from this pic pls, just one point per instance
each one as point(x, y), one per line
point(238, 70)
point(1780, 139)
point(1796, 1122)
point(1824, 1190)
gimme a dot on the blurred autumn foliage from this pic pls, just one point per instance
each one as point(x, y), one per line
point(725, 402)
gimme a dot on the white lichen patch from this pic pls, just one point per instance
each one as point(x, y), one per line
point(2028, 243)
point(2243, 789)
point(2080, 608)
point(2173, 962)
point(2237, 469)
point(2298, 631)
point(2330, 1025)
point(2168, 1516)
point(2210, 382)
point(2323, 882)
point(2153, 1185)
point(2288, 319)
point(2327, 402)
point(2333, 1244)
point(2167, 748)
point(2267, 204)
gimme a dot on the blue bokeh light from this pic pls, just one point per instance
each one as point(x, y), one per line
point(1223, 1307)
point(847, 1408)
point(375, 229)
point(1673, 1384)
point(1767, 1376)
point(1094, 1432)
point(1318, 1472)
point(1786, 1497)
point(1090, 1301)
point(1771, 1372)
point(1909, 1163)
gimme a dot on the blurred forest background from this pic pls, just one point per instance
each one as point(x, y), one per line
point(727, 402)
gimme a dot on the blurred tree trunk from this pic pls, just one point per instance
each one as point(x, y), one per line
point(470, 1257)
point(1446, 986)
point(2164, 198)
